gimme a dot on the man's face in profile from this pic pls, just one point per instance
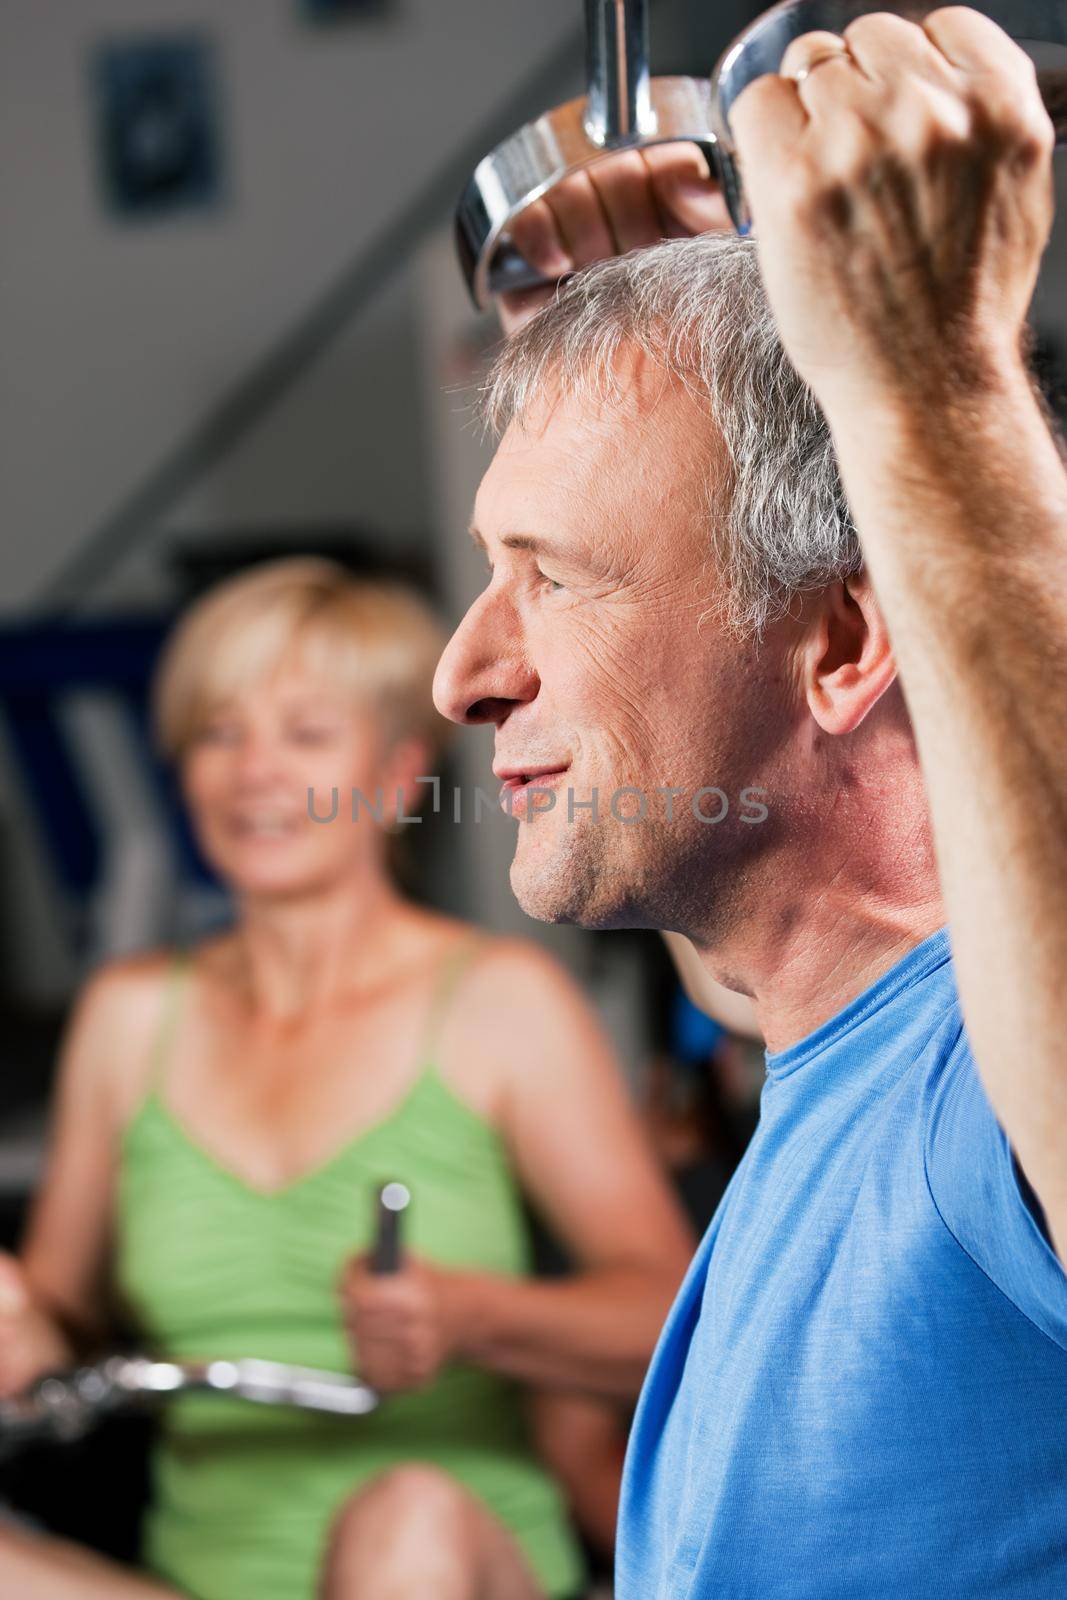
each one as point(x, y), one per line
point(596, 651)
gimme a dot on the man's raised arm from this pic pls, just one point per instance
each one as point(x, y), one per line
point(901, 184)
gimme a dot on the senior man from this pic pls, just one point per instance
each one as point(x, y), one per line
point(823, 650)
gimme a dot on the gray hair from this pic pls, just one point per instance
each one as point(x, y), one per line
point(779, 523)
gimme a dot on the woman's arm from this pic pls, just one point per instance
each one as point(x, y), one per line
point(584, 1161)
point(66, 1246)
point(582, 1441)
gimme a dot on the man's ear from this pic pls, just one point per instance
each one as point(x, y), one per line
point(846, 659)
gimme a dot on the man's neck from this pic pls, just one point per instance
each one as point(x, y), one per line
point(822, 969)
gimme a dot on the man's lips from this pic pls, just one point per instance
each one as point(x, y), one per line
point(520, 777)
point(517, 786)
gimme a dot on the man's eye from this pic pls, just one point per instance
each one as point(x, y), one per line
point(553, 584)
point(310, 735)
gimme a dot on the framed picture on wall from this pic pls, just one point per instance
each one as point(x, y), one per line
point(158, 124)
point(340, 10)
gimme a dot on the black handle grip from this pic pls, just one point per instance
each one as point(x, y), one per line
point(391, 1202)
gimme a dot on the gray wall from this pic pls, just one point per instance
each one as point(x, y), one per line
point(118, 338)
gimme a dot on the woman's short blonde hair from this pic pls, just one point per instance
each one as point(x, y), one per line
point(377, 638)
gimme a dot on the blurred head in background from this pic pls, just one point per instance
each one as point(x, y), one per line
point(281, 692)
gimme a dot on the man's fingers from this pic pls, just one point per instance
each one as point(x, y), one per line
point(688, 199)
point(975, 43)
point(1003, 77)
point(767, 119)
point(623, 186)
point(580, 220)
point(535, 235)
point(629, 200)
point(681, 160)
point(816, 50)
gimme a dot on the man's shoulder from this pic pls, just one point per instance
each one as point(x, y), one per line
point(981, 1193)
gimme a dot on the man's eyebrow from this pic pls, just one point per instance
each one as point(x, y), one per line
point(517, 541)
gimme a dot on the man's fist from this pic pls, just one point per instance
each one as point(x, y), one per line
point(404, 1326)
point(622, 203)
point(900, 181)
point(31, 1342)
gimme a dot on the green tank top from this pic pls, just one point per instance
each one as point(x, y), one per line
point(212, 1268)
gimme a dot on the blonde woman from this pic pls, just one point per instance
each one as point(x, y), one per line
point(225, 1112)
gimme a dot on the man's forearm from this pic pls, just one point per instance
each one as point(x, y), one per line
point(593, 1332)
point(962, 512)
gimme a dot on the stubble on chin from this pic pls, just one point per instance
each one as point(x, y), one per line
point(612, 876)
point(559, 878)
point(576, 877)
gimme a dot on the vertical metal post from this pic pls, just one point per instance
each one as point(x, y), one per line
point(617, 66)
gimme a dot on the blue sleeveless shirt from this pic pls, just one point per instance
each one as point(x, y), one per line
point(861, 1390)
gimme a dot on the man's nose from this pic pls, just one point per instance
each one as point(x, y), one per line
point(485, 671)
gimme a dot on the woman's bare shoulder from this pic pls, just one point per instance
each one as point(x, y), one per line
point(513, 1002)
point(116, 1017)
point(128, 988)
point(430, 941)
point(513, 977)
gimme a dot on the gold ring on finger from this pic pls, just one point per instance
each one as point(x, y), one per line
point(806, 71)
